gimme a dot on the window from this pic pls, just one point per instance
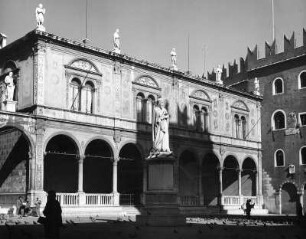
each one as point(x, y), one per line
point(243, 124)
point(237, 126)
point(140, 107)
point(278, 121)
point(196, 118)
point(75, 93)
point(204, 119)
point(303, 155)
point(87, 98)
point(279, 158)
point(150, 108)
point(278, 86)
point(302, 80)
point(302, 119)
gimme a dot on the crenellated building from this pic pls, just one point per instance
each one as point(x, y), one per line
point(282, 83)
point(80, 123)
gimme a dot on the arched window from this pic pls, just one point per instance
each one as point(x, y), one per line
point(302, 80)
point(244, 129)
point(204, 119)
point(278, 86)
point(75, 94)
point(150, 107)
point(303, 155)
point(87, 97)
point(140, 107)
point(237, 126)
point(279, 158)
point(196, 118)
point(278, 120)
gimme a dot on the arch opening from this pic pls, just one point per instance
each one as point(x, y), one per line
point(230, 176)
point(210, 179)
point(98, 167)
point(61, 159)
point(130, 175)
point(248, 178)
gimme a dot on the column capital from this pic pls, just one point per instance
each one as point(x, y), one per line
point(81, 158)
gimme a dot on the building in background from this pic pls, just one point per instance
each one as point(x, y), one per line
point(79, 122)
point(282, 83)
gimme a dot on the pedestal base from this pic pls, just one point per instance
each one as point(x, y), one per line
point(161, 204)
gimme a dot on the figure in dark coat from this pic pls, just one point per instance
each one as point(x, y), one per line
point(248, 208)
point(53, 213)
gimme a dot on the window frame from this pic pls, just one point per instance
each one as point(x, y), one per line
point(273, 122)
point(299, 119)
point(275, 159)
point(274, 88)
point(299, 80)
point(300, 156)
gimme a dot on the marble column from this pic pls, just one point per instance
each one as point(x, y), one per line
point(220, 185)
point(239, 182)
point(82, 196)
point(201, 196)
point(116, 195)
point(80, 175)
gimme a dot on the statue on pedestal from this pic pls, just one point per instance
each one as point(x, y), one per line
point(10, 87)
point(160, 134)
point(116, 42)
point(40, 12)
point(218, 75)
point(173, 59)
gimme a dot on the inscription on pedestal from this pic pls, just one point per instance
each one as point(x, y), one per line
point(160, 177)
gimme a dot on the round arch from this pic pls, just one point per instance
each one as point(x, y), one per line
point(98, 167)
point(275, 88)
point(105, 139)
point(130, 174)
point(248, 177)
point(289, 198)
point(61, 156)
point(67, 134)
point(210, 179)
point(15, 169)
point(230, 176)
point(188, 174)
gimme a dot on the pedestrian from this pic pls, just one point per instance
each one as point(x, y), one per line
point(248, 208)
point(53, 213)
point(20, 206)
point(37, 207)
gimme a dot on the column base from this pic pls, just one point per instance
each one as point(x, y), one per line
point(10, 105)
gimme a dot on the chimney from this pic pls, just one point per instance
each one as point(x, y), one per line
point(2, 40)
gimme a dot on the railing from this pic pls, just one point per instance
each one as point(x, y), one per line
point(190, 200)
point(237, 200)
point(231, 200)
point(68, 199)
point(99, 199)
point(254, 199)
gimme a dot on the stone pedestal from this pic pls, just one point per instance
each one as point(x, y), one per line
point(10, 105)
point(161, 197)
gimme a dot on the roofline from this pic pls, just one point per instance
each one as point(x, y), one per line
point(130, 60)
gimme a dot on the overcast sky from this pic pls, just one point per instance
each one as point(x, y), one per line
point(149, 29)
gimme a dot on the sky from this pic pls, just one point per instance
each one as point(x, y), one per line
point(219, 30)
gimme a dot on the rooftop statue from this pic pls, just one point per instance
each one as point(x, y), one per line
point(218, 75)
point(173, 58)
point(40, 12)
point(116, 42)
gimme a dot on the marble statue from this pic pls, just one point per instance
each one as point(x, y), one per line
point(40, 12)
point(10, 87)
point(160, 132)
point(218, 75)
point(117, 42)
point(256, 86)
point(173, 58)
